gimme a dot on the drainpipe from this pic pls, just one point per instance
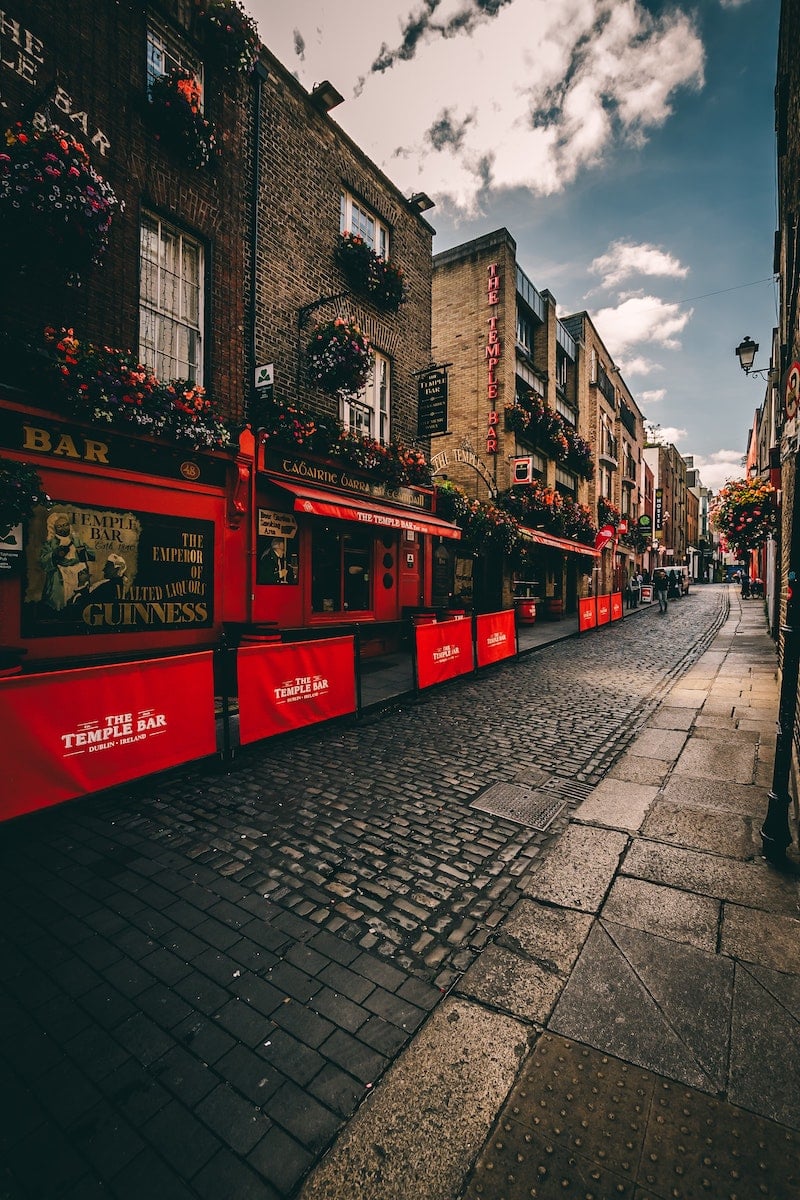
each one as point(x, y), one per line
point(259, 77)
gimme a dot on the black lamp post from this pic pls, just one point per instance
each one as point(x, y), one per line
point(776, 835)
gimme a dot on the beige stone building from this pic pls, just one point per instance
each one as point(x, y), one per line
point(502, 341)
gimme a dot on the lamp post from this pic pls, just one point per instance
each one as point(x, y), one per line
point(776, 836)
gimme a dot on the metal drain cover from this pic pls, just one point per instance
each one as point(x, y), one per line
point(536, 807)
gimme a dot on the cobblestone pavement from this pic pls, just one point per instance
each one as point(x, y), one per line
point(203, 975)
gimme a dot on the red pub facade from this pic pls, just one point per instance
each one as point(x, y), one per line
point(166, 539)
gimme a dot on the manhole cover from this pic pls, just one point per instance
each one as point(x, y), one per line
point(536, 807)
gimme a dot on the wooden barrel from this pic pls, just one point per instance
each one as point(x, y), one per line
point(526, 611)
point(555, 609)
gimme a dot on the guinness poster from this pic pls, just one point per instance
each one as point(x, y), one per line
point(98, 570)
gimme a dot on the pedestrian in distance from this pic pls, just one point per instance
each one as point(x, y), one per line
point(745, 586)
point(635, 590)
point(661, 585)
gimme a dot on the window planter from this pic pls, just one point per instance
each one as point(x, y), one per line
point(176, 119)
point(367, 273)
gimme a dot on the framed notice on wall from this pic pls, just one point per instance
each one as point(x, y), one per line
point(432, 403)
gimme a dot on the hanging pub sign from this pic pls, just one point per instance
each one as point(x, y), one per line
point(98, 570)
point(432, 403)
point(659, 510)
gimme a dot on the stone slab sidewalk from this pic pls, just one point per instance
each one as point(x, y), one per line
point(634, 1026)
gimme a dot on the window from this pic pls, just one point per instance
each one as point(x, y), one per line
point(356, 219)
point(368, 413)
point(524, 329)
point(562, 364)
point(170, 301)
point(340, 570)
point(165, 50)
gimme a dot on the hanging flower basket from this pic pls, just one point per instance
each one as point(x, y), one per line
point(745, 513)
point(105, 386)
point(177, 120)
point(231, 35)
point(54, 208)
point(339, 358)
point(21, 490)
point(380, 280)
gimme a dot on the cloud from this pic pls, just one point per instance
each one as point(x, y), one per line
point(539, 91)
point(638, 365)
point(299, 45)
point(670, 434)
point(445, 132)
point(654, 396)
point(639, 319)
point(624, 259)
point(718, 467)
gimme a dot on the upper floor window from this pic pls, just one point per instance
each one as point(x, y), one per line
point(562, 366)
point(170, 301)
point(367, 414)
point(166, 50)
point(524, 329)
point(356, 219)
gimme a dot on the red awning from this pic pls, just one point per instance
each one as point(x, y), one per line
point(317, 502)
point(557, 543)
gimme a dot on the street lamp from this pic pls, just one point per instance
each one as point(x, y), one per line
point(746, 353)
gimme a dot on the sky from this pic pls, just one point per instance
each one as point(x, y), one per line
point(628, 147)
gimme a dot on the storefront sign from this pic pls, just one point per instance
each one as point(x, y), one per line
point(587, 613)
point(659, 509)
point(463, 454)
point(46, 440)
point(70, 733)
point(326, 475)
point(493, 354)
point(443, 651)
point(98, 570)
point(432, 403)
point(284, 687)
point(495, 637)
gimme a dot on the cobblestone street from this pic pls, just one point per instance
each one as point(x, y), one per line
point(205, 974)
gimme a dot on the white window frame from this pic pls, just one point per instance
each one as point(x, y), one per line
point(355, 218)
point(368, 413)
point(165, 50)
point(171, 335)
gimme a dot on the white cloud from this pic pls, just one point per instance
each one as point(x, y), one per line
point(638, 365)
point(670, 434)
point(538, 91)
point(653, 397)
point(639, 319)
point(624, 260)
point(718, 467)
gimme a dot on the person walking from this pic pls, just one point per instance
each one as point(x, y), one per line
point(661, 585)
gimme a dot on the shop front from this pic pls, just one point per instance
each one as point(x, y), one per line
point(335, 548)
point(556, 574)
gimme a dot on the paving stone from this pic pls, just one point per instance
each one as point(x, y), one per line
point(700, 829)
point(711, 875)
point(662, 744)
point(578, 870)
point(239, 1124)
point(617, 805)
point(227, 1178)
point(760, 937)
point(298, 1113)
point(666, 911)
point(646, 771)
point(281, 1160)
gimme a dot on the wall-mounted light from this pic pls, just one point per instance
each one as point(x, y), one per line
point(746, 353)
point(420, 202)
point(325, 96)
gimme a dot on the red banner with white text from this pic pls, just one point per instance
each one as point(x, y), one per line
point(70, 733)
point(444, 650)
point(287, 686)
point(587, 613)
point(616, 606)
point(496, 637)
point(603, 610)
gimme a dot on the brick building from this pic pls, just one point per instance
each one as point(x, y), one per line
point(669, 504)
point(616, 432)
point(513, 380)
point(359, 544)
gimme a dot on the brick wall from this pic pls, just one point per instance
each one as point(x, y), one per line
point(84, 64)
point(306, 162)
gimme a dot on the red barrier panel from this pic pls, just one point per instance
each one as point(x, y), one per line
point(603, 610)
point(496, 637)
point(616, 606)
point(69, 733)
point(287, 686)
point(443, 651)
point(587, 613)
